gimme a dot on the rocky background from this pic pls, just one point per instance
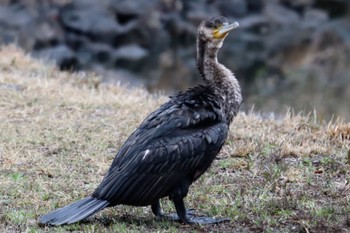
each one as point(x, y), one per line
point(286, 52)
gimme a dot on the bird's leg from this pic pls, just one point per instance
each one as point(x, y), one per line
point(157, 211)
point(190, 218)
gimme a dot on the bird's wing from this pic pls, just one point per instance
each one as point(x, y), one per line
point(173, 143)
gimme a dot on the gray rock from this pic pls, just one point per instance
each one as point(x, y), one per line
point(233, 8)
point(127, 8)
point(60, 54)
point(90, 18)
point(280, 14)
point(314, 18)
point(130, 52)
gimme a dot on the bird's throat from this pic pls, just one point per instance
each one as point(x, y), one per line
point(206, 61)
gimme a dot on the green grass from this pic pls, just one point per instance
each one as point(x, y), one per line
point(59, 133)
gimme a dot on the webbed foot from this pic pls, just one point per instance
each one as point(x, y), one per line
point(204, 220)
point(174, 216)
point(183, 215)
point(191, 218)
point(157, 211)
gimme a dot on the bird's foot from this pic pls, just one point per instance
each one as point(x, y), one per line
point(184, 215)
point(191, 218)
point(187, 218)
point(205, 220)
point(174, 216)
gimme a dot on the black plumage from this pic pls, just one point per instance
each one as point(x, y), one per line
point(173, 146)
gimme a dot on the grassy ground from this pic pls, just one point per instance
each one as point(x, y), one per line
point(59, 133)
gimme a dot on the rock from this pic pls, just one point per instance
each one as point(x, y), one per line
point(101, 53)
point(60, 54)
point(131, 57)
point(12, 19)
point(127, 9)
point(130, 52)
point(233, 8)
point(314, 18)
point(14, 16)
point(280, 15)
point(90, 18)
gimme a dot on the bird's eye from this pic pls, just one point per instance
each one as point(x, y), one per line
point(210, 24)
point(216, 23)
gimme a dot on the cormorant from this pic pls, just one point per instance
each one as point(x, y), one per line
point(174, 145)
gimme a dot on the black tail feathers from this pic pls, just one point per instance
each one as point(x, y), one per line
point(74, 212)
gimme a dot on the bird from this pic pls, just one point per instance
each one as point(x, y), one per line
point(174, 145)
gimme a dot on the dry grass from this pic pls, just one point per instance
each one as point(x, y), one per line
point(59, 133)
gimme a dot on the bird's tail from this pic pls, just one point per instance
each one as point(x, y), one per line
point(74, 212)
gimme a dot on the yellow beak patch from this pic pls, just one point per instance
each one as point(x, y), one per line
point(218, 35)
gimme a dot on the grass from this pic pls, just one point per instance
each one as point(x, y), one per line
point(59, 133)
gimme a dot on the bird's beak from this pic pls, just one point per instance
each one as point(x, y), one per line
point(223, 31)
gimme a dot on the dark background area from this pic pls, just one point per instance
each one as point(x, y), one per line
point(286, 53)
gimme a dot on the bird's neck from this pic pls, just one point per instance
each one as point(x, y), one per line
point(202, 56)
point(219, 77)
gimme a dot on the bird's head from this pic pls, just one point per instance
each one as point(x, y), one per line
point(215, 30)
